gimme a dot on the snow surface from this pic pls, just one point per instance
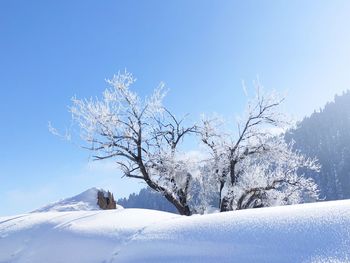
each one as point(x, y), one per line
point(86, 201)
point(307, 233)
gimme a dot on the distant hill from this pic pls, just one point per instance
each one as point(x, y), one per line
point(326, 135)
point(85, 201)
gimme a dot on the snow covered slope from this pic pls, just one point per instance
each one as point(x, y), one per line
point(302, 233)
point(86, 201)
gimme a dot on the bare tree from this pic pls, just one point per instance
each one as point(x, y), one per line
point(142, 137)
point(256, 167)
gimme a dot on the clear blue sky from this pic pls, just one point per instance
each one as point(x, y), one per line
point(53, 50)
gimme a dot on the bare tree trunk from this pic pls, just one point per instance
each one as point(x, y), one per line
point(181, 204)
point(224, 206)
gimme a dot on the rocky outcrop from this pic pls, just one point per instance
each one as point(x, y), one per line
point(105, 200)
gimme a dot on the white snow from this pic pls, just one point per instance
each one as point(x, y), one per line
point(307, 233)
point(86, 201)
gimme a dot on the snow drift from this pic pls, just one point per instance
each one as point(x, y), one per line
point(317, 232)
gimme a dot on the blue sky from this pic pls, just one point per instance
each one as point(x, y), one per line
point(53, 50)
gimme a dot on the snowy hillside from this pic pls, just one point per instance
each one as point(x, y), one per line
point(317, 232)
point(86, 201)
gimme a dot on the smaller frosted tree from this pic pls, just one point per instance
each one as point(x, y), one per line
point(255, 167)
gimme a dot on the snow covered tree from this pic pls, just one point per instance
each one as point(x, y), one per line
point(140, 134)
point(253, 168)
point(256, 167)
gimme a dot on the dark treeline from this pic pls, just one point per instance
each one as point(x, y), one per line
point(326, 135)
point(148, 199)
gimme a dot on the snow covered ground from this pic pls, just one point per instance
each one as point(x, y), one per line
point(317, 232)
